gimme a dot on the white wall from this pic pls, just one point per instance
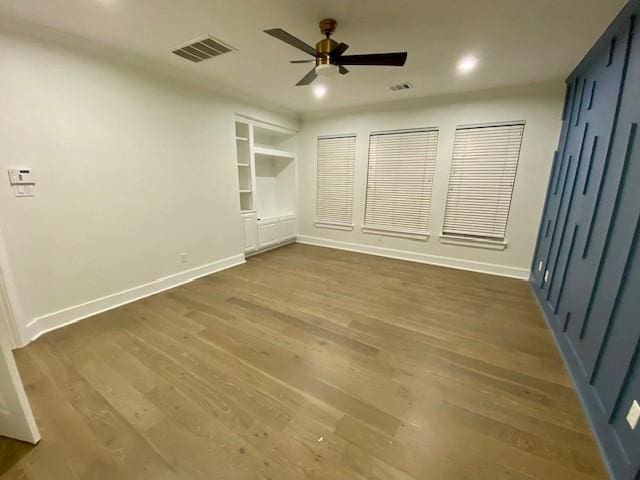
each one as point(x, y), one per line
point(540, 106)
point(133, 168)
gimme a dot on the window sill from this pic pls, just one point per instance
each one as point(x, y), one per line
point(334, 226)
point(473, 242)
point(392, 233)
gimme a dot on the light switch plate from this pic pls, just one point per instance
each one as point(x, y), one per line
point(21, 176)
point(634, 415)
point(23, 190)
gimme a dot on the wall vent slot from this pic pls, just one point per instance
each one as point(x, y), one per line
point(401, 86)
point(202, 49)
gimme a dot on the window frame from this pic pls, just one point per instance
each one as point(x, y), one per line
point(372, 229)
point(478, 240)
point(327, 223)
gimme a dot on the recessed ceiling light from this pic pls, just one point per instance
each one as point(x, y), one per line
point(467, 64)
point(319, 91)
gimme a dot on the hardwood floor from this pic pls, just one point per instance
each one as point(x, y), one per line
point(309, 363)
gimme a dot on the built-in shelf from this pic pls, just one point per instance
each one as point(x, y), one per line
point(267, 184)
point(272, 152)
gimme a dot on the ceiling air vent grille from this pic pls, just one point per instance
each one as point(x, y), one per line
point(202, 49)
point(401, 86)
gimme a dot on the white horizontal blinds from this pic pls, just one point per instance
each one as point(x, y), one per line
point(334, 200)
point(483, 171)
point(399, 180)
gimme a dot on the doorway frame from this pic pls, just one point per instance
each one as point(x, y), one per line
point(9, 301)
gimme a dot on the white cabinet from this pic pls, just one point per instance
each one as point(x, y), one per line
point(286, 229)
point(267, 233)
point(250, 223)
point(266, 164)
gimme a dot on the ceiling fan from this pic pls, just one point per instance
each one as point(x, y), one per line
point(328, 53)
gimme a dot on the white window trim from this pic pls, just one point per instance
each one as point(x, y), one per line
point(485, 243)
point(479, 242)
point(370, 229)
point(337, 225)
point(333, 226)
point(394, 233)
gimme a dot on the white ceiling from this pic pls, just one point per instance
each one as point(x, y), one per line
point(517, 41)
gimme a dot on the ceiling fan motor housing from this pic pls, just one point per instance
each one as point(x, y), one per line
point(324, 46)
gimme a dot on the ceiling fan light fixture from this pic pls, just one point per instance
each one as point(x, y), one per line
point(467, 64)
point(319, 90)
point(327, 70)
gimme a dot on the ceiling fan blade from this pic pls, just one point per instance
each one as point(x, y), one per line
point(301, 61)
point(395, 59)
point(291, 40)
point(308, 78)
point(342, 70)
point(338, 50)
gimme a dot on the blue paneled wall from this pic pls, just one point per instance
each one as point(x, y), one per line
point(586, 269)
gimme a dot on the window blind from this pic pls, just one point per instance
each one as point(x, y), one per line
point(483, 172)
point(334, 199)
point(399, 181)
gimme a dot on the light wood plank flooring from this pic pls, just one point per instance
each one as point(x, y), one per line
point(308, 363)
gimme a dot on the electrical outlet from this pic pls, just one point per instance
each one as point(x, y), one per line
point(183, 257)
point(634, 415)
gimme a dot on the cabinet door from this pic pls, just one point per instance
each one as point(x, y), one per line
point(250, 233)
point(267, 234)
point(287, 229)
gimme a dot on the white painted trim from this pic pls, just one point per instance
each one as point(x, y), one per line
point(240, 117)
point(55, 320)
point(394, 233)
point(472, 242)
point(333, 225)
point(284, 242)
point(490, 124)
point(490, 268)
point(15, 317)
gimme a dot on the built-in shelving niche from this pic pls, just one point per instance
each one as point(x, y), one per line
point(244, 165)
point(267, 183)
point(275, 174)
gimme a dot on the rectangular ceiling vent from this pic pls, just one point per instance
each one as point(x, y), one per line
point(401, 86)
point(202, 49)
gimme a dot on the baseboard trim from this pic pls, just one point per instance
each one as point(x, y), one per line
point(67, 316)
point(607, 443)
point(284, 243)
point(490, 268)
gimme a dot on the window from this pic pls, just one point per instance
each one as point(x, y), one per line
point(399, 182)
point(483, 171)
point(334, 200)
